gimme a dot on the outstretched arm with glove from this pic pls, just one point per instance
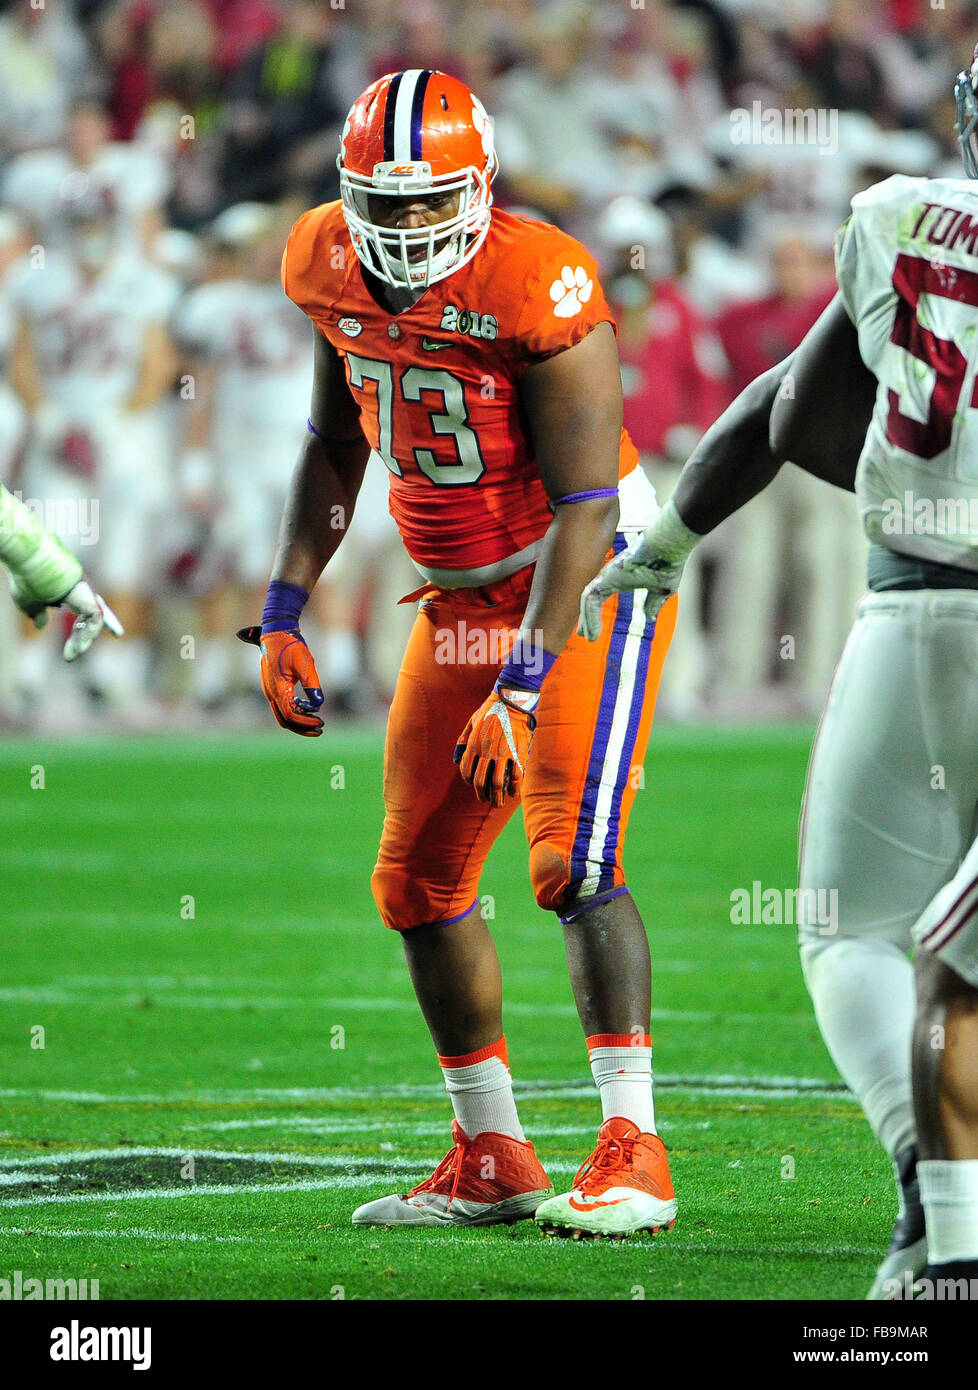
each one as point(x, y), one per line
point(45, 574)
point(813, 408)
point(323, 491)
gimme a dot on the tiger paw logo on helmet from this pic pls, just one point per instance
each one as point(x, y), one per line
point(483, 124)
point(571, 292)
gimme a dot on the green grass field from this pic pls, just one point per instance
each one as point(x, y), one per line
point(190, 923)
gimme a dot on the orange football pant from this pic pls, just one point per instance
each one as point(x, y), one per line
point(593, 723)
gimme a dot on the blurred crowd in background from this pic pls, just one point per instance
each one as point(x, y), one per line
point(155, 380)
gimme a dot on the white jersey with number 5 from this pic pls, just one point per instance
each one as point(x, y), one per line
point(907, 265)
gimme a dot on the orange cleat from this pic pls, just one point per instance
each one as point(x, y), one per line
point(623, 1187)
point(483, 1181)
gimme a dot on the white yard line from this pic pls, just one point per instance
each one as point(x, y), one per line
point(126, 1233)
point(69, 1156)
point(390, 1167)
point(125, 997)
point(395, 1171)
point(417, 1129)
point(751, 1087)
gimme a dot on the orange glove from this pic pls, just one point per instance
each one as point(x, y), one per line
point(286, 661)
point(492, 750)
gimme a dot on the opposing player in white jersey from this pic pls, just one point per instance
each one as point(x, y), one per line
point(247, 349)
point(891, 806)
point(127, 178)
point(41, 571)
point(90, 362)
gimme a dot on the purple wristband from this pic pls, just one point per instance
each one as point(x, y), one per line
point(527, 668)
point(584, 496)
point(283, 606)
point(312, 429)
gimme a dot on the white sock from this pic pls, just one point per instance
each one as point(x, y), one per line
point(481, 1089)
point(863, 993)
point(949, 1193)
point(622, 1069)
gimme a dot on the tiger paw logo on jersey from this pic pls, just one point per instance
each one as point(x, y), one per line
point(468, 322)
point(571, 292)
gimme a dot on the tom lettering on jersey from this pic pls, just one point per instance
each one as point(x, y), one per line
point(469, 322)
point(952, 228)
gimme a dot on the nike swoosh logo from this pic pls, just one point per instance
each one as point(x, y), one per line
point(593, 1206)
point(430, 346)
point(502, 714)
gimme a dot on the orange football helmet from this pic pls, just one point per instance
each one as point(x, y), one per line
point(415, 132)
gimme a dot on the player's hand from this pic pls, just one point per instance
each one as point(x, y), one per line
point(654, 562)
point(638, 567)
point(286, 662)
point(93, 613)
point(492, 750)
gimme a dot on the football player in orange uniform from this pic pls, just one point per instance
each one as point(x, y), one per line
point(475, 352)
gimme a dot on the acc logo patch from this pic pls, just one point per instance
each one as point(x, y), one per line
point(351, 327)
point(571, 292)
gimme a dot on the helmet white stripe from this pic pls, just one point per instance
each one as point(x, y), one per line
point(402, 114)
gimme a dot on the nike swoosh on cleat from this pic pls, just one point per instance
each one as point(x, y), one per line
point(593, 1206)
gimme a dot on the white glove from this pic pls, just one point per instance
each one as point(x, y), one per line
point(93, 614)
point(654, 563)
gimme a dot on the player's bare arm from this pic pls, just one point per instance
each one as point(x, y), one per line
point(318, 509)
point(196, 469)
point(812, 409)
point(156, 370)
point(24, 375)
point(573, 406)
point(823, 406)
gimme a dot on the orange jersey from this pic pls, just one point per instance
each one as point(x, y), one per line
point(438, 383)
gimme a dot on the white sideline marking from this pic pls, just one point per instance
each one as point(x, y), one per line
point(391, 1172)
point(81, 917)
point(19, 1175)
point(44, 994)
point(391, 1168)
point(212, 1189)
point(127, 1233)
point(147, 1151)
point(752, 1087)
point(422, 1129)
